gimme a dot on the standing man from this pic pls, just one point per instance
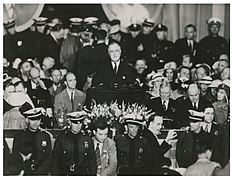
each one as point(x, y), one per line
point(73, 152)
point(187, 45)
point(213, 45)
point(133, 150)
point(70, 98)
point(33, 145)
point(105, 149)
point(157, 150)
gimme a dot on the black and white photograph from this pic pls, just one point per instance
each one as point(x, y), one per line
point(116, 89)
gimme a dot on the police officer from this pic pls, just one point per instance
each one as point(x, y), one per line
point(213, 45)
point(33, 145)
point(133, 151)
point(162, 50)
point(73, 151)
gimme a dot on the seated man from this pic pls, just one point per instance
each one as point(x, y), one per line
point(70, 98)
point(105, 149)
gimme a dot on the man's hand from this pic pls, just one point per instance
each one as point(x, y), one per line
point(42, 85)
point(49, 112)
point(140, 48)
point(170, 135)
point(16, 63)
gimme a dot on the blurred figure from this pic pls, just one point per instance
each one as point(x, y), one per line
point(47, 65)
point(166, 170)
point(225, 74)
point(170, 73)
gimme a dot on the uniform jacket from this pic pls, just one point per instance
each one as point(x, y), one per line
point(62, 100)
point(108, 158)
point(157, 150)
point(140, 153)
point(39, 144)
point(74, 154)
point(186, 153)
point(181, 48)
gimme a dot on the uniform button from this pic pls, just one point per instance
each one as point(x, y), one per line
point(43, 150)
point(85, 154)
point(64, 152)
point(184, 151)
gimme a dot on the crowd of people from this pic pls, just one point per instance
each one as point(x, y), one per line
point(50, 69)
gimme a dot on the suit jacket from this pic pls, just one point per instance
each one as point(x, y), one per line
point(156, 105)
point(157, 151)
point(181, 48)
point(125, 74)
point(62, 100)
point(54, 93)
point(39, 96)
point(182, 113)
point(108, 158)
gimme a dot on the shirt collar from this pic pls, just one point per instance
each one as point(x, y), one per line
point(33, 85)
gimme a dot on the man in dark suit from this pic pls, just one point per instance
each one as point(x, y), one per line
point(115, 70)
point(73, 151)
point(70, 98)
point(193, 102)
point(157, 151)
point(37, 89)
point(164, 106)
point(187, 45)
point(217, 134)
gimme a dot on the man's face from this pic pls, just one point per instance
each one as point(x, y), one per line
point(71, 81)
point(9, 89)
point(203, 87)
point(214, 29)
point(140, 66)
point(157, 125)
point(34, 124)
point(56, 76)
point(146, 29)
point(169, 74)
point(40, 29)
point(194, 125)
point(165, 93)
point(35, 76)
point(200, 73)
point(132, 130)
point(185, 73)
point(209, 115)
point(225, 73)
point(190, 33)
point(193, 94)
point(101, 135)
point(134, 34)
point(76, 128)
point(222, 65)
point(114, 52)
point(161, 35)
point(48, 63)
point(25, 68)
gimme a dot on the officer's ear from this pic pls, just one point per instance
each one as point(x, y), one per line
point(94, 132)
point(126, 128)
point(27, 121)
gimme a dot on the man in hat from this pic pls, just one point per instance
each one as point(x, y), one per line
point(202, 70)
point(213, 45)
point(33, 145)
point(123, 39)
point(40, 24)
point(162, 50)
point(115, 70)
point(73, 151)
point(154, 126)
point(186, 153)
point(187, 45)
point(71, 44)
point(105, 148)
point(133, 150)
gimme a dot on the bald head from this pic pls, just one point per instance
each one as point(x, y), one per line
point(193, 93)
point(35, 75)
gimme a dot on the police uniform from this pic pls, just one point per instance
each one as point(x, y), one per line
point(186, 153)
point(37, 143)
point(212, 47)
point(74, 153)
point(161, 51)
point(133, 155)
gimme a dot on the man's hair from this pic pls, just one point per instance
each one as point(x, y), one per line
point(203, 145)
point(68, 73)
point(142, 59)
point(101, 34)
point(191, 25)
point(100, 123)
point(112, 41)
point(55, 69)
point(151, 119)
point(205, 69)
point(183, 67)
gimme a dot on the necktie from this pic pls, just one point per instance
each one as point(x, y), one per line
point(72, 100)
point(190, 46)
point(195, 106)
point(98, 160)
point(164, 106)
point(115, 68)
point(206, 128)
